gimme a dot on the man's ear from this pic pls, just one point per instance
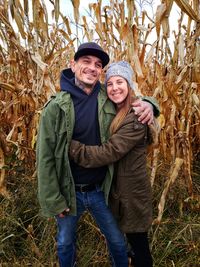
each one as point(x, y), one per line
point(72, 65)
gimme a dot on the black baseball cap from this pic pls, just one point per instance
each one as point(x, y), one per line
point(93, 49)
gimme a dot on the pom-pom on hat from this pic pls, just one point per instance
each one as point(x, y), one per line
point(122, 69)
point(93, 49)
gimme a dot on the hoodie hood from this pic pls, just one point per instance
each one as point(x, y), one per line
point(67, 84)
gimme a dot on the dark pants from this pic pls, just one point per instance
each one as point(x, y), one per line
point(140, 246)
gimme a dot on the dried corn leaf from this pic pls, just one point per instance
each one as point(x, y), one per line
point(35, 8)
point(137, 65)
point(76, 4)
point(65, 35)
point(57, 9)
point(122, 13)
point(19, 23)
point(196, 100)
point(97, 11)
point(181, 49)
point(26, 7)
point(3, 190)
point(174, 173)
point(11, 5)
point(135, 38)
point(161, 121)
point(150, 54)
point(160, 12)
point(181, 79)
point(45, 21)
point(99, 31)
point(165, 19)
point(154, 165)
point(130, 7)
point(88, 32)
point(37, 59)
point(196, 65)
point(19, 7)
point(186, 7)
point(7, 86)
point(67, 24)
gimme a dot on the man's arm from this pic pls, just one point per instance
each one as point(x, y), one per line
point(146, 108)
point(51, 200)
point(153, 101)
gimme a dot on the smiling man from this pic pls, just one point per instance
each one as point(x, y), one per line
point(87, 72)
point(83, 112)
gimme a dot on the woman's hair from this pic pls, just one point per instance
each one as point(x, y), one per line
point(152, 130)
point(122, 112)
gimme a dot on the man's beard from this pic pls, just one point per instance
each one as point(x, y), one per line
point(83, 85)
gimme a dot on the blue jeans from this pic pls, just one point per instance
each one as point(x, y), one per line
point(94, 202)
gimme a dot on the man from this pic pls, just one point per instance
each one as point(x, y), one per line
point(83, 112)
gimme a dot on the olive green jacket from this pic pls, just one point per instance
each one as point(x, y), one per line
point(56, 190)
point(130, 197)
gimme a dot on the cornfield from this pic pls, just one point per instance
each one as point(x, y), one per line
point(35, 45)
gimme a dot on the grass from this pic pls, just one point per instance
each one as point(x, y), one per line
point(26, 239)
point(176, 242)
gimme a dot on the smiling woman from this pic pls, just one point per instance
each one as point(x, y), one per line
point(117, 90)
point(119, 82)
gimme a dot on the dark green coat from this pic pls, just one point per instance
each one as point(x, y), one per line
point(131, 196)
point(56, 190)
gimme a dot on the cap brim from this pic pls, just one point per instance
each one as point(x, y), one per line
point(93, 52)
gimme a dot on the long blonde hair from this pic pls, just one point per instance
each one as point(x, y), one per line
point(123, 111)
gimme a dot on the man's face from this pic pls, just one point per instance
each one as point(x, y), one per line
point(87, 70)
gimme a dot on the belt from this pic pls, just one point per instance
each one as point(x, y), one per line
point(85, 188)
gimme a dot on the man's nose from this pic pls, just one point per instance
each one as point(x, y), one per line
point(92, 67)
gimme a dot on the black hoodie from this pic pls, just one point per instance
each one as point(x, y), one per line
point(86, 128)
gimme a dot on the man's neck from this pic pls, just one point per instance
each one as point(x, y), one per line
point(87, 89)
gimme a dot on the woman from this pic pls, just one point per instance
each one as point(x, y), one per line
point(131, 196)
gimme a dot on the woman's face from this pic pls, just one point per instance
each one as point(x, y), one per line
point(117, 89)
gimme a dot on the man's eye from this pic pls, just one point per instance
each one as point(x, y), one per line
point(99, 66)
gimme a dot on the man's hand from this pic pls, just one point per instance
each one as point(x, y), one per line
point(144, 110)
point(64, 213)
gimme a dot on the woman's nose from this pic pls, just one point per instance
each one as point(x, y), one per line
point(114, 87)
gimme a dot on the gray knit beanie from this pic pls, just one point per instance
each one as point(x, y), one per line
point(122, 69)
